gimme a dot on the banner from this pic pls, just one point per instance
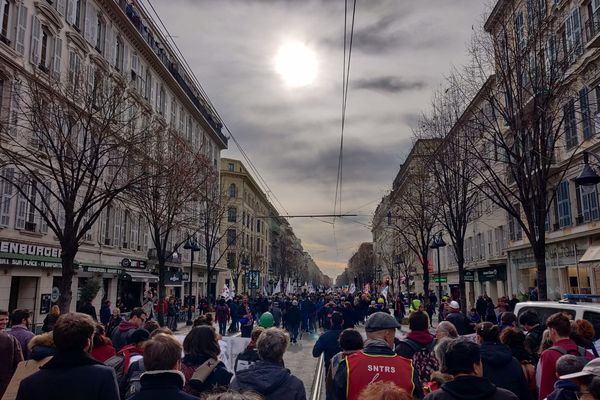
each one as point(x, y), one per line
point(277, 289)
point(352, 289)
point(289, 290)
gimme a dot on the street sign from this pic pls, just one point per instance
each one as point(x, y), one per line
point(469, 276)
point(55, 294)
point(253, 279)
point(437, 279)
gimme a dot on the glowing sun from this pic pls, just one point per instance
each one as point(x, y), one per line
point(296, 64)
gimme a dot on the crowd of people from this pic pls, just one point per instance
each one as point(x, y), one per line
point(491, 355)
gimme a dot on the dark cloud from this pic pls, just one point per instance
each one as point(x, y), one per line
point(387, 84)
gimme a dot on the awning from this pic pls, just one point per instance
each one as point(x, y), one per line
point(592, 254)
point(138, 277)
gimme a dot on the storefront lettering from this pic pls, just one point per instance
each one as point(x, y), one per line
point(29, 263)
point(29, 249)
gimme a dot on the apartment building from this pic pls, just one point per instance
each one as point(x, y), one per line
point(62, 39)
point(248, 226)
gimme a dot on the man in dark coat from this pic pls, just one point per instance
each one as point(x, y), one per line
point(328, 342)
point(530, 322)
point(72, 373)
point(11, 356)
point(293, 319)
point(462, 324)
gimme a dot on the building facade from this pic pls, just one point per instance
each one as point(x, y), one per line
point(60, 40)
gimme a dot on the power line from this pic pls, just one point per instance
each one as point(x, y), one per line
point(251, 165)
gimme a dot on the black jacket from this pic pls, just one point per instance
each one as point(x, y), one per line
point(470, 388)
point(159, 385)
point(70, 376)
point(462, 324)
point(328, 344)
point(373, 348)
point(273, 381)
point(564, 390)
point(293, 316)
point(503, 370)
point(533, 340)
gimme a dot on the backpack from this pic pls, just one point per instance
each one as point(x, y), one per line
point(529, 373)
point(120, 362)
point(580, 350)
point(134, 385)
point(424, 360)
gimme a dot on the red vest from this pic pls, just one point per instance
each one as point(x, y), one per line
point(364, 369)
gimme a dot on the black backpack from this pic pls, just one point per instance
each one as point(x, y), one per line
point(580, 350)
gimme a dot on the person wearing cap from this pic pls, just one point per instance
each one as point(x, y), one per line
point(569, 366)
point(376, 362)
point(463, 325)
point(582, 379)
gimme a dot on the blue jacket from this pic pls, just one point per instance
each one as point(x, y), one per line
point(328, 344)
point(159, 385)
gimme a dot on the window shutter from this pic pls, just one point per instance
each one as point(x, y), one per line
point(108, 43)
point(71, 11)
point(21, 210)
point(44, 193)
point(117, 227)
point(576, 23)
point(125, 59)
point(88, 22)
point(6, 195)
point(36, 34)
point(113, 48)
point(57, 59)
point(21, 29)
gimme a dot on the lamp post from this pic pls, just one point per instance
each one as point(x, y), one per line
point(245, 264)
point(437, 243)
point(398, 261)
point(587, 176)
point(192, 245)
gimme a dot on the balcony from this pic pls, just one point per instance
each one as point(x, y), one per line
point(592, 30)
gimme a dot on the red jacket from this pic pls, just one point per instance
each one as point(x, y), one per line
point(104, 351)
point(548, 361)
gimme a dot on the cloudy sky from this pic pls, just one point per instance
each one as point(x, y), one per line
point(402, 50)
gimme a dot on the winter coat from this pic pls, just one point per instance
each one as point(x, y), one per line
point(471, 388)
point(222, 313)
point(503, 370)
point(23, 335)
point(462, 324)
point(105, 351)
point(293, 316)
point(327, 344)
point(120, 335)
point(70, 376)
point(11, 357)
point(112, 324)
point(105, 314)
point(276, 311)
point(273, 381)
point(564, 390)
point(533, 340)
point(89, 309)
point(159, 385)
point(41, 346)
point(49, 322)
point(219, 377)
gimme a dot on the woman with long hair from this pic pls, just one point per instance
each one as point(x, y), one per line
point(51, 318)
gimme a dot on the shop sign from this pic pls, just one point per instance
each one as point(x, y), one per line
point(133, 264)
point(469, 276)
point(30, 263)
point(492, 274)
point(438, 279)
point(101, 270)
point(55, 294)
point(253, 278)
point(29, 249)
point(45, 303)
point(173, 278)
point(185, 277)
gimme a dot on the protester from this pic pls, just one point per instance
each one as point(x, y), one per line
point(384, 391)
point(530, 322)
point(10, 351)
point(268, 376)
point(121, 334)
point(172, 314)
point(507, 320)
point(277, 314)
point(293, 319)
point(103, 348)
point(583, 333)
point(114, 321)
point(357, 372)
point(41, 347)
point(499, 365)
point(474, 316)
point(233, 395)
point(559, 327)
point(246, 318)
point(152, 325)
point(515, 340)
point(51, 318)
point(250, 355)
point(418, 346)
point(459, 320)
point(200, 346)
point(162, 379)
point(327, 343)
point(438, 378)
point(463, 361)
point(4, 317)
point(350, 341)
point(567, 389)
point(446, 329)
point(105, 312)
point(71, 373)
point(223, 316)
point(587, 380)
point(20, 321)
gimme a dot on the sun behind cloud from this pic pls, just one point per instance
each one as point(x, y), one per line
point(296, 63)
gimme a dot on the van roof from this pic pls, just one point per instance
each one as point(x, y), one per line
point(556, 304)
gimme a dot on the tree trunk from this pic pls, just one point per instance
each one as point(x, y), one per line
point(426, 278)
point(461, 286)
point(539, 252)
point(68, 271)
point(161, 291)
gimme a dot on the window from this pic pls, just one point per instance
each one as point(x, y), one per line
point(586, 120)
point(570, 124)
point(258, 225)
point(173, 113)
point(161, 100)
point(21, 29)
point(6, 194)
point(125, 230)
point(61, 6)
point(231, 167)
point(573, 34)
point(119, 52)
point(6, 5)
point(589, 203)
point(232, 191)
point(74, 68)
point(107, 225)
point(232, 214)
point(44, 50)
point(100, 34)
point(515, 231)
point(36, 33)
point(181, 120)
point(520, 30)
point(78, 10)
point(231, 237)
point(91, 25)
point(563, 203)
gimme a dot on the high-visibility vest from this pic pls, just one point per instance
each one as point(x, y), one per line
point(364, 369)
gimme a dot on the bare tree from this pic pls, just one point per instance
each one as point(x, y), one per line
point(70, 149)
point(522, 127)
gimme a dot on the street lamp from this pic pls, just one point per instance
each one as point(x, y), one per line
point(245, 264)
point(587, 177)
point(192, 245)
point(437, 243)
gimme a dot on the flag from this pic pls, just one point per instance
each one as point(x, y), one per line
point(311, 289)
point(277, 288)
point(231, 293)
point(352, 288)
point(289, 290)
point(384, 292)
point(225, 292)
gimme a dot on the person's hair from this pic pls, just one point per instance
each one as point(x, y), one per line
point(585, 329)
point(161, 353)
point(508, 318)
point(546, 342)
point(117, 310)
point(440, 352)
point(3, 312)
point(256, 333)
point(487, 331)
point(18, 315)
point(72, 331)
point(55, 311)
point(512, 337)
point(447, 328)
point(383, 390)
point(569, 364)
point(561, 323)
point(137, 312)
point(350, 340)
point(201, 341)
point(204, 320)
point(594, 387)
point(98, 333)
point(461, 355)
point(151, 326)
point(529, 317)
point(163, 329)
point(337, 319)
point(418, 321)
point(272, 344)
point(233, 395)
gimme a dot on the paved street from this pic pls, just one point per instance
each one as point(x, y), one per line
point(300, 361)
